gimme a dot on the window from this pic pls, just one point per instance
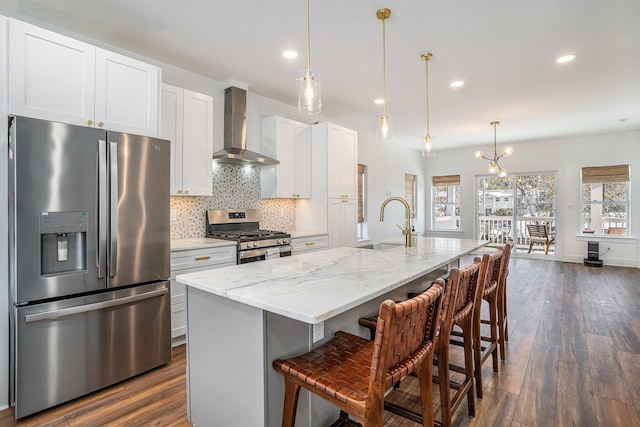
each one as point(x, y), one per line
point(605, 201)
point(362, 198)
point(446, 202)
point(410, 192)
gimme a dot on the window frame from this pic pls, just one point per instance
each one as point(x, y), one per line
point(452, 184)
point(603, 175)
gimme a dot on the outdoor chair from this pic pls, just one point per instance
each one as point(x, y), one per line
point(539, 234)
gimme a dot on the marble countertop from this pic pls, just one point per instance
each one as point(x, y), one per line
point(316, 286)
point(198, 243)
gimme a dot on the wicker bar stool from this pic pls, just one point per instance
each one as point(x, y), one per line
point(493, 265)
point(503, 327)
point(353, 373)
point(463, 287)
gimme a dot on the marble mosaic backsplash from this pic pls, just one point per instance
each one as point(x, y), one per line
point(234, 187)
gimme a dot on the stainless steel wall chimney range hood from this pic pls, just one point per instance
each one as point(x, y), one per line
point(235, 132)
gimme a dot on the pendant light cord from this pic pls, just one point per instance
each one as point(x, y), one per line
point(426, 60)
point(384, 69)
point(308, 42)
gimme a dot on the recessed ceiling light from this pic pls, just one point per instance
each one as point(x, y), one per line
point(290, 54)
point(566, 58)
point(457, 83)
point(379, 101)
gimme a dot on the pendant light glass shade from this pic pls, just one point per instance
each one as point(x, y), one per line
point(384, 128)
point(384, 125)
point(309, 99)
point(309, 96)
point(427, 144)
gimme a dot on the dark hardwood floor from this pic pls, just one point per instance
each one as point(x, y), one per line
point(573, 359)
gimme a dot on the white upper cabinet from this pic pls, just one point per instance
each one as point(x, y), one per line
point(187, 121)
point(127, 94)
point(289, 142)
point(342, 162)
point(54, 77)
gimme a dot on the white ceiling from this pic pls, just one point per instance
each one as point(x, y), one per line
point(504, 50)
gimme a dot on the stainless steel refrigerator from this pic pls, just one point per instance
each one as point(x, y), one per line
point(89, 260)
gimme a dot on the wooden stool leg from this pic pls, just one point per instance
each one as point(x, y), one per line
point(443, 379)
point(291, 393)
point(477, 354)
point(501, 327)
point(426, 392)
point(468, 363)
point(493, 322)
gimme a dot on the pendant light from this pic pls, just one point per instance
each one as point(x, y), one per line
point(309, 101)
point(427, 145)
point(384, 126)
point(494, 167)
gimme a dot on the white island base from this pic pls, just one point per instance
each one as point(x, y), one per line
point(241, 319)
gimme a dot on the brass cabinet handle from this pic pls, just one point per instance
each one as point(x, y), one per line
point(345, 201)
point(202, 258)
point(100, 124)
point(310, 243)
point(186, 191)
point(179, 191)
point(89, 122)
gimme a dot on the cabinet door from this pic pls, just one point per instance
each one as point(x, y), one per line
point(303, 163)
point(342, 223)
point(349, 163)
point(342, 159)
point(51, 76)
point(127, 94)
point(197, 144)
point(171, 129)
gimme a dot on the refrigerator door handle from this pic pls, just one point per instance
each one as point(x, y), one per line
point(101, 253)
point(113, 207)
point(64, 312)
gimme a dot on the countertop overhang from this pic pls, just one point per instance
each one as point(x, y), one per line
point(316, 286)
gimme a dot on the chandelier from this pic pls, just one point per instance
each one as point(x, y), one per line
point(494, 166)
point(309, 101)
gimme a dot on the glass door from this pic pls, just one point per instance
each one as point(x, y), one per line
point(536, 214)
point(495, 209)
point(520, 209)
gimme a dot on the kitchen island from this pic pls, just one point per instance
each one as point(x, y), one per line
point(240, 318)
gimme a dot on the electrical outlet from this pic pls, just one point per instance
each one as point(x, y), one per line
point(318, 331)
point(173, 215)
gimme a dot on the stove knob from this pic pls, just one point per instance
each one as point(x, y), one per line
point(255, 244)
point(279, 241)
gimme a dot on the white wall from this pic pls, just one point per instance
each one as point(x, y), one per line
point(387, 164)
point(566, 156)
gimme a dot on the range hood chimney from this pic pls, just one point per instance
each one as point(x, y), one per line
point(235, 132)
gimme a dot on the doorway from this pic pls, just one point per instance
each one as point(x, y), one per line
point(519, 208)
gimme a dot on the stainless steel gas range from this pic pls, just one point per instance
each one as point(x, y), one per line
point(243, 226)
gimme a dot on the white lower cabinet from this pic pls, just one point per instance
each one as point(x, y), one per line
point(343, 220)
point(189, 261)
point(309, 244)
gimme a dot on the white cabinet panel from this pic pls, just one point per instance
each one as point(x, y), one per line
point(54, 77)
point(190, 261)
point(343, 219)
point(187, 121)
point(333, 206)
point(51, 76)
point(290, 143)
point(309, 244)
point(127, 94)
